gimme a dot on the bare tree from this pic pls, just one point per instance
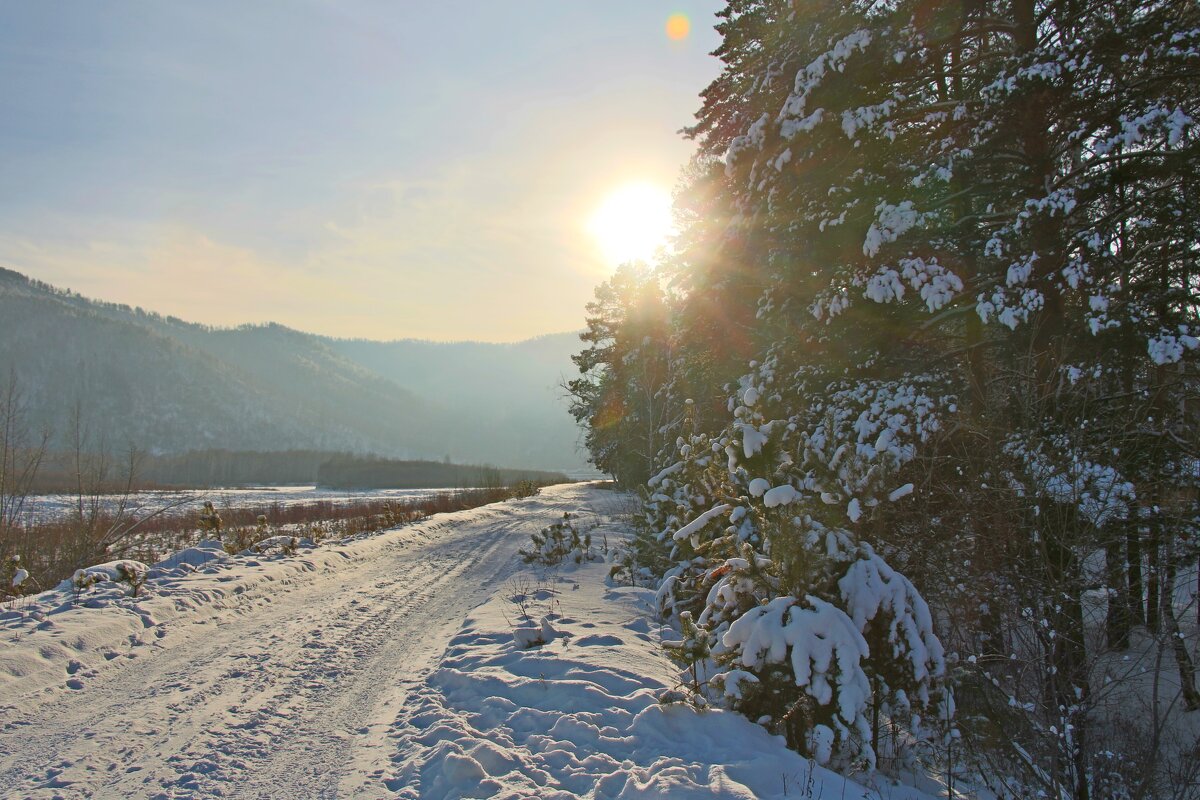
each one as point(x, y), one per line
point(21, 454)
point(107, 511)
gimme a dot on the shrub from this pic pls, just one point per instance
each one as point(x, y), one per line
point(84, 579)
point(127, 571)
point(558, 542)
point(284, 544)
point(691, 651)
point(134, 573)
point(210, 520)
point(13, 577)
point(525, 489)
point(532, 634)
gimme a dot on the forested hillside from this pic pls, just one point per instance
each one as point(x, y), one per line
point(170, 386)
point(933, 310)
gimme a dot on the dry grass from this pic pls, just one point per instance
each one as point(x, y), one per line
point(52, 551)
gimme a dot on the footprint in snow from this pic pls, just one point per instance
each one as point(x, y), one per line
point(599, 640)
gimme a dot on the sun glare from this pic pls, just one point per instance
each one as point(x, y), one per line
point(632, 223)
point(678, 26)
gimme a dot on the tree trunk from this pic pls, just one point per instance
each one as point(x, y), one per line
point(1117, 622)
point(1153, 569)
point(1067, 667)
point(1187, 670)
point(1133, 555)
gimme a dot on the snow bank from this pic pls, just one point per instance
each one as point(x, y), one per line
point(580, 717)
point(42, 636)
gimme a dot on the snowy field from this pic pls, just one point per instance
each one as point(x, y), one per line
point(48, 507)
point(379, 666)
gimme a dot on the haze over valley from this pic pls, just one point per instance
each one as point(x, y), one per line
point(169, 386)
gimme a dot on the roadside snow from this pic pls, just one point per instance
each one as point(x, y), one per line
point(247, 675)
point(337, 672)
point(579, 715)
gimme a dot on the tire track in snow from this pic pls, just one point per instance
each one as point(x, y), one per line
point(288, 693)
point(343, 716)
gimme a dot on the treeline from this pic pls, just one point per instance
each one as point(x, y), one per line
point(359, 472)
point(203, 468)
point(213, 468)
point(913, 403)
point(198, 469)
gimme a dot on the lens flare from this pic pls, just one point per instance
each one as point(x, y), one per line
point(678, 26)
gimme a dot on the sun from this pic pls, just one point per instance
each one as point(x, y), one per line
point(632, 223)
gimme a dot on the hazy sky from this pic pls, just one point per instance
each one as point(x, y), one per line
point(382, 169)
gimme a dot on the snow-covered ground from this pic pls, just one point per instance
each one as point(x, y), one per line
point(348, 670)
point(579, 716)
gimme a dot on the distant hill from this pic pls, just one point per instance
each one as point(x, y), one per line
point(172, 386)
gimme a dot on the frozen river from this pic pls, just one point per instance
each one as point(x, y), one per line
point(47, 507)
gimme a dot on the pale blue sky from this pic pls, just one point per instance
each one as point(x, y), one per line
point(380, 169)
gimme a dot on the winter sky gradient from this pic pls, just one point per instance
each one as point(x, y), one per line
point(354, 168)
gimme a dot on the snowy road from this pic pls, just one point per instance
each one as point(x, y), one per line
point(282, 686)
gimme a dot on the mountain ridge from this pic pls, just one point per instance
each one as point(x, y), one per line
point(170, 385)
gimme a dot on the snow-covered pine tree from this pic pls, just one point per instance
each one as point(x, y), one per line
point(948, 191)
point(959, 242)
point(823, 586)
